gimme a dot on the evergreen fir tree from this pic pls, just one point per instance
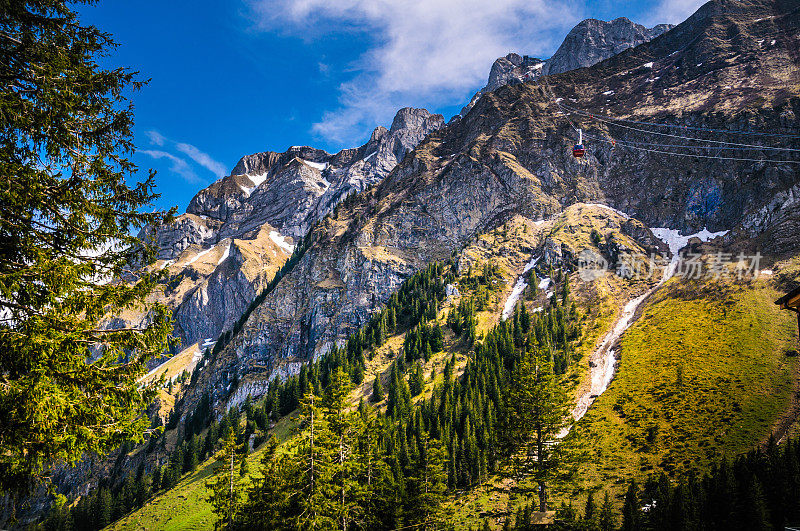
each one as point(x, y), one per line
point(631, 512)
point(590, 511)
point(225, 485)
point(69, 219)
point(313, 482)
point(607, 520)
point(416, 380)
point(755, 513)
point(377, 389)
point(347, 504)
point(190, 460)
point(537, 410)
point(427, 485)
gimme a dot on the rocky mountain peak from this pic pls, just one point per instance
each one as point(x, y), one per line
point(415, 121)
point(588, 43)
point(378, 133)
point(511, 156)
point(592, 41)
point(269, 200)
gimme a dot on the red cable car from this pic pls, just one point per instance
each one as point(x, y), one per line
point(579, 151)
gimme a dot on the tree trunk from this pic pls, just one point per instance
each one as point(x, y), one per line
point(230, 494)
point(539, 465)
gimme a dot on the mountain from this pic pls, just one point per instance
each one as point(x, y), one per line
point(702, 368)
point(586, 44)
point(272, 199)
point(509, 155)
point(592, 41)
point(239, 231)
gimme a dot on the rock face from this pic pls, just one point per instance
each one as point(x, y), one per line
point(511, 155)
point(508, 70)
point(594, 40)
point(254, 215)
point(588, 43)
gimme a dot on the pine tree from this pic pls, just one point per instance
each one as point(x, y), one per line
point(427, 485)
point(314, 469)
point(537, 411)
point(103, 508)
point(590, 511)
point(755, 512)
point(190, 460)
point(631, 513)
point(156, 480)
point(70, 386)
point(416, 380)
point(607, 520)
point(377, 389)
point(269, 498)
point(347, 505)
point(225, 485)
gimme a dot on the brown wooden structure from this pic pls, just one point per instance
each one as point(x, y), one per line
point(791, 301)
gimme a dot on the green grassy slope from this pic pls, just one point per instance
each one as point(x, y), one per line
point(184, 506)
point(703, 373)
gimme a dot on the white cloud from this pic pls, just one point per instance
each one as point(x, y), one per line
point(674, 11)
point(422, 52)
point(179, 165)
point(155, 137)
point(203, 159)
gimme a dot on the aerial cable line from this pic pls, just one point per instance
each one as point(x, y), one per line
point(611, 121)
point(682, 146)
point(691, 128)
point(691, 155)
point(688, 155)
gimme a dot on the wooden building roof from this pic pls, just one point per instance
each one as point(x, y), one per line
point(791, 300)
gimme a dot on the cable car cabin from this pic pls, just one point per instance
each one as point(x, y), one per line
point(791, 301)
point(578, 151)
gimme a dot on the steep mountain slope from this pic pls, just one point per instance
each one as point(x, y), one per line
point(282, 195)
point(239, 231)
point(733, 66)
point(593, 40)
point(509, 155)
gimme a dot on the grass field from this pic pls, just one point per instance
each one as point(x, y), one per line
point(703, 373)
point(184, 507)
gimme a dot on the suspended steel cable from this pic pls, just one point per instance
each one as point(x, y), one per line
point(692, 128)
point(611, 121)
point(692, 155)
point(631, 142)
point(566, 111)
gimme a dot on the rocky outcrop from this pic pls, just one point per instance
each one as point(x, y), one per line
point(508, 70)
point(255, 215)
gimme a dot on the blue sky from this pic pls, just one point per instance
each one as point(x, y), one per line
point(242, 76)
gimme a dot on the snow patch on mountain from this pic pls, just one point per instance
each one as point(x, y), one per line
point(675, 241)
point(321, 166)
point(280, 241)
